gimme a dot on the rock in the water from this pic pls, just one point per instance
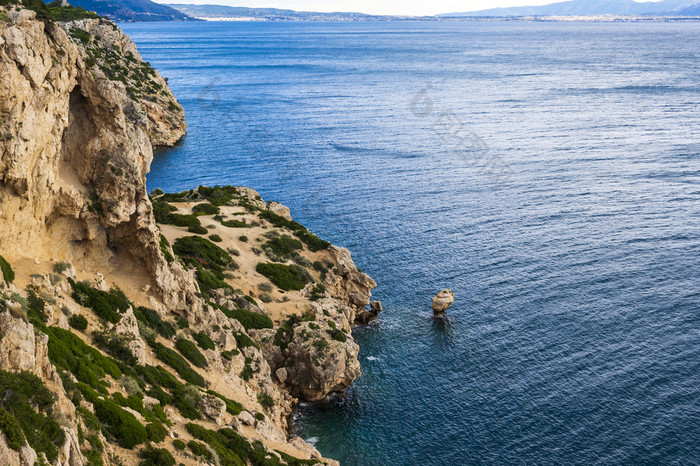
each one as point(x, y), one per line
point(364, 316)
point(442, 301)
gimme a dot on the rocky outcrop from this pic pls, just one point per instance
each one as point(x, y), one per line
point(346, 281)
point(76, 142)
point(442, 301)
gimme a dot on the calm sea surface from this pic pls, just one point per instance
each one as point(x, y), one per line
point(549, 174)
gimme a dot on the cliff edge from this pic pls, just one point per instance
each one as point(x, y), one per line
point(137, 329)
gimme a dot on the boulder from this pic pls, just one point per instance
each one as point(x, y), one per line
point(442, 301)
point(364, 316)
point(213, 407)
point(246, 418)
point(279, 209)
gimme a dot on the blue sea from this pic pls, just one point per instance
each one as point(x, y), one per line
point(548, 173)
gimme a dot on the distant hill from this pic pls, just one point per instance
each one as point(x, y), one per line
point(589, 7)
point(693, 10)
point(270, 14)
point(132, 10)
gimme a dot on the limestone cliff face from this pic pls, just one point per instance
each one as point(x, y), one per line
point(79, 115)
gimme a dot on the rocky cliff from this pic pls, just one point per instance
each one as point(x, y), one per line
point(139, 329)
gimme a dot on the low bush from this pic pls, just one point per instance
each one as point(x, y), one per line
point(266, 401)
point(314, 243)
point(202, 251)
point(25, 413)
point(205, 209)
point(12, 430)
point(156, 432)
point(78, 322)
point(179, 444)
point(281, 248)
point(232, 407)
point(106, 305)
point(215, 238)
point(116, 346)
point(285, 277)
point(68, 352)
point(199, 449)
point(151, 456)
point(198, 229)
point(164, 249)
point(6, 269)
point(190, 351)
point(317, 292)
point(121, 424)
point(177, 362)
point(249, 320)
point(153, 320)
point(204, 341)
point(243, 239)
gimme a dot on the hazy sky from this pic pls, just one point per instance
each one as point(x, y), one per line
point(395, 7)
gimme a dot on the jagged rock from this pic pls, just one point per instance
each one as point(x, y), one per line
point(99, 283)
point(27, 456)
point(7, 455)
point(269, 431)
point(73, 161)
point(246, 418)
point(128, 325)
point(322, 365)
point(346, 281)
point(442, 301)
point(17, 345)
point(149, 402)
point(281, 374)
point(364, 316)
point(213, 407)
point(279, 209)
point(71, 449)
point(307, 448)
point(69, 271)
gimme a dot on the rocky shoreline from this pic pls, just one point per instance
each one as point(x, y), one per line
point(174, 328)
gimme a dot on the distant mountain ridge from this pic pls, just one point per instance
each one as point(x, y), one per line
point(593, 7)
point(221, 11)
point(132, 10)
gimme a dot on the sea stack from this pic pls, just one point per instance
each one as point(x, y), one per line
point(442, 301)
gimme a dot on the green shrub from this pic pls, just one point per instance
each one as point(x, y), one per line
point(249, 320)
point(243, 239)
point(232, 223)
point(186, 399)
point(12, 430)
point(215, 238)
point(60, 267)
point(198, 229)
point(204, 341)
point(314, 243)
point(121, 424)
point(107, 305)
point(78, 322)
point(35, 310)
point(153, 320)
point(259, 416)
point(156, 192)
point(208, 281)
point(199, 449)
point(178, 363)
point(218, 195)
point(266, 401)
point(232, 407)
point(198, 250)
point(338, 335)
point(266, 287)
point(164, 249)
point(190, 351)
point(27, 403)
point(205, 209)
point(182, 323)
point(115, 345)
point(281, 247)
point(155, 457)
point(68, 352)
point(285, 277)
point(156, 432)
point(317, 292)
point(320, 344)
point(179, 444)
point(266, 297)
